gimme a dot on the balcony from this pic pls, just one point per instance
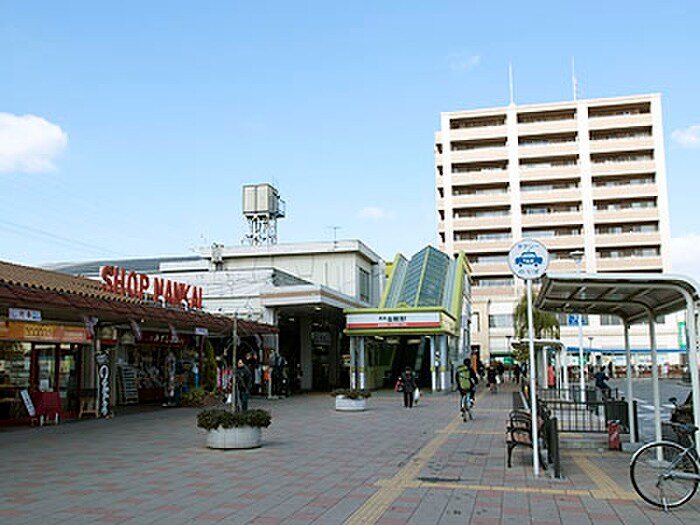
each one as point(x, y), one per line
point(489, 268)
point(627, 191)
point(627, 215)
point(476, 177)
point(552, 126)
point(611, 240)
point(619, 121)
point(623, 144)
point(623, 168)
point(480, 154)
point(497, 246)
point(555, 149)
point(550, 173)
point(478, 223)
point(559, 242)
point(494, 199)
point(553, 219)
point(551, 196)
point(629, 263)
point(485, 132)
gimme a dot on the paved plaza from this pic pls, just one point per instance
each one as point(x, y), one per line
point(388, 465)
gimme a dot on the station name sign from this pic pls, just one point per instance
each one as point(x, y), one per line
point(139, 285)
point(394, 320)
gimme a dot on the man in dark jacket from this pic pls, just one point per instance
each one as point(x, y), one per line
point(408, 384)
point(244, 382)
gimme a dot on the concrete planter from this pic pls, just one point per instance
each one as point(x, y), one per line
point(237, 437)
point(343, 404)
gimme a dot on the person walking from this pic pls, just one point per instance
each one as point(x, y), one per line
point(408, 383)
point(466, 379)
point(491, 374)
point(516, 373)
point(244, 382)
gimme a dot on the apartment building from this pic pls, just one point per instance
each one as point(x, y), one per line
point(584, 175)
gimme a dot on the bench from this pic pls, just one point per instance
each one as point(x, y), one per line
point(519, 430)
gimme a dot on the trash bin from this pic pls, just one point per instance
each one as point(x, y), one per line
point(614, 435)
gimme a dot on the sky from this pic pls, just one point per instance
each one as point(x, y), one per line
point(127, 129)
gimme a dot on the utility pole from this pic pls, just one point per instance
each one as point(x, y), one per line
point(234, 379)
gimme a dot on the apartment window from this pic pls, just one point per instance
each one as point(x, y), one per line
point(501, 321)
point(548, 162)
point(364, 285)
point(439, 168)
point(489, 259)
point(638, 204)
point(635, 180)
point(480, 213)
point(549, 186)
point(560, 255)
point(546, 116)
point(438, 148)
point(479, 190)
point(545, 209)
point(553, 232)
point(480, 167)
point(621, 134)
point(625, 253)
point(610, 320)
point(466, 145)
point(547, 140)
point(477, 122)
point(475, 324)
point(496, 282)
point(619, 110)
point(618, 229)
point(622, 156)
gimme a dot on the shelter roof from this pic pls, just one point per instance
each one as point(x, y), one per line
point(630, 296)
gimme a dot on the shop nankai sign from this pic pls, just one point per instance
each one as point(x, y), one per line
point(137, 285)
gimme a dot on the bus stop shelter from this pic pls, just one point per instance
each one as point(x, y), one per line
point(634, 298)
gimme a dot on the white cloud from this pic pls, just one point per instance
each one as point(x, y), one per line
point(29, 144)
point(687, 137)
point(686, 255)
point(374, 213)
point(460, 62)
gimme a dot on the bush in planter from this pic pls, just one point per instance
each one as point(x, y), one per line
point(198, 397)
point(352, 394)
point(213, 418)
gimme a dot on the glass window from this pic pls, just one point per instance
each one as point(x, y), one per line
point(501, 321)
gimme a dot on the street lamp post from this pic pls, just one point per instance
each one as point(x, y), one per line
point(578, 257)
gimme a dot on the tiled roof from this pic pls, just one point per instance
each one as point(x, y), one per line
point(56, 282)
point(36, 287)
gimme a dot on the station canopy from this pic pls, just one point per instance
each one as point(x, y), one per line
point(632, 297)
point(423, 295)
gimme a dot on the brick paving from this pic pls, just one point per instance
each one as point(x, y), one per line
point(388, 465)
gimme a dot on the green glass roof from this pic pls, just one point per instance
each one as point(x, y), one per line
point(422, 281)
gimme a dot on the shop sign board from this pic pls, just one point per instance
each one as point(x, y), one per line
point(198, 330)
point(102, 359)
point(28, 404)
point(20, 331)
point(138, 285)
point(394, 320)
point(23, 314)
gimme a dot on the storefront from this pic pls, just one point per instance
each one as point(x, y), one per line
point(73, 344)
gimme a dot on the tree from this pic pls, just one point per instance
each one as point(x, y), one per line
point(209, 367)
point(545, 325)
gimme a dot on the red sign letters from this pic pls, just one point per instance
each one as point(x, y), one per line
point(133, 284)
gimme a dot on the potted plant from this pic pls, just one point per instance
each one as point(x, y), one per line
point(227, 429)
point(350, 400)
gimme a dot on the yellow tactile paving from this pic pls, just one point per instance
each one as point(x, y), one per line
point(606, 488)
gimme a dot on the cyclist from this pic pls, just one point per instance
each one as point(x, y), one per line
point(466, 379)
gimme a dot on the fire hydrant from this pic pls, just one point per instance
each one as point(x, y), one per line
point(614, 435)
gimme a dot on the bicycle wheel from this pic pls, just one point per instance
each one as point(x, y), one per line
point(651, 471)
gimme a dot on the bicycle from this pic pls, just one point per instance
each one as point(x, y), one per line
point(665, 473)
point(465, 406)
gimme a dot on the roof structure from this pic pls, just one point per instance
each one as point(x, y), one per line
point(627, 295)
point(69, 298)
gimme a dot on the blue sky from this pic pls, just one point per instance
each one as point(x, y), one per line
point(130, 127)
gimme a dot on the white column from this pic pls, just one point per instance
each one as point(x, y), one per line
point(544, 377)
point(630, 396)
point(443, 362)
point(533, 387)
point(690, 324)
point(557, 367)
point(353, 362)
point(565, 353)
point(362, 370)
point(655, 377)
point(433, 372)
